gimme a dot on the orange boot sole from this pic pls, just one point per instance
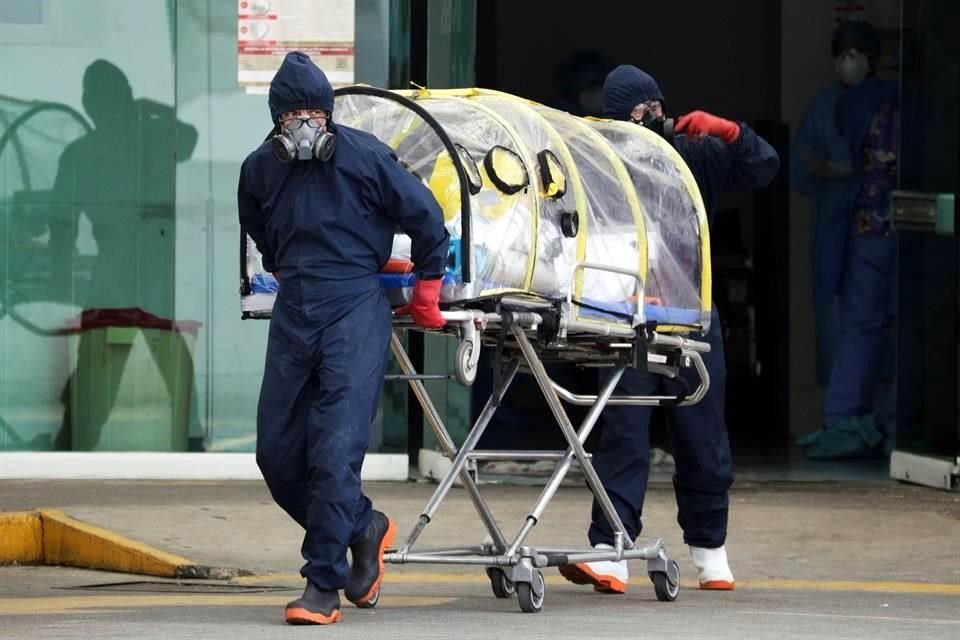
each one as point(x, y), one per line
point(581, 573)
point(388, 539)
point(300, 616)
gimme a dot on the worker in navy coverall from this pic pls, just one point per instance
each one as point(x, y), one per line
point(723, 156)
point(322, 202)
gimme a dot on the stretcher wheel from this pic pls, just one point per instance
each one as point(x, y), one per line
point(462, 370)
point(500, 583)
point(666, 584)
point(530, 601)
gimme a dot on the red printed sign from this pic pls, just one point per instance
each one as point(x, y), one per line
point(269, 29)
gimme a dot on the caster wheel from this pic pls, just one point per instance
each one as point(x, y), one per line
point(667, 585)
point(462, 370)
point(530, 602)
point(500, 583)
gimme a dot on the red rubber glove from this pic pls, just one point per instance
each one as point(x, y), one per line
point(697, 124)
point(425, 305)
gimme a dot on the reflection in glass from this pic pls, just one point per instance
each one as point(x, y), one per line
point(92, 216)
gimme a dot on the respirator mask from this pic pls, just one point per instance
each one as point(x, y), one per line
point(663, 127)
point(646, 115)
point(303, 139)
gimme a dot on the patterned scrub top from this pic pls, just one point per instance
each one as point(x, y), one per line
point(879, 157)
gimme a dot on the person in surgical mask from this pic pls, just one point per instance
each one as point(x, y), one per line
point(845, 155)
point(852, 66)
point(820, 167)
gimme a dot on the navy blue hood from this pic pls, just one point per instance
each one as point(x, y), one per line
point(299, 84)
point(626, 87)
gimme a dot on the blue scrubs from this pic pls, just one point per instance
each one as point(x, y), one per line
point(327, 228)
point(817, 136)
point(704, 468)
point(859, 405)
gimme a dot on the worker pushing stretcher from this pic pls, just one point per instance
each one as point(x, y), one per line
point(493, 220)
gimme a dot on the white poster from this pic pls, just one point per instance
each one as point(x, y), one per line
point(269, 29)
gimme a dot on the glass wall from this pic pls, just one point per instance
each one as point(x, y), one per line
point(123, 129)
point(928, 317)
point(451, 29)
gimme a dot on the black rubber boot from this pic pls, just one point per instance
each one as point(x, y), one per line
point(313, 607)
point(367, 568)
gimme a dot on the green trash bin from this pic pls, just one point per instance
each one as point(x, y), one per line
point(132, 382)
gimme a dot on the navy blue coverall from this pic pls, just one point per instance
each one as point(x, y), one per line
point(704, 468)
point(327, 228)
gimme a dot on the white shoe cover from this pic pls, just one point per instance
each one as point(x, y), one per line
point(611, 568)
point(713, 568)
point(606, 576)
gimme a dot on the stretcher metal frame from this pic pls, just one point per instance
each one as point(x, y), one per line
point(525, 333)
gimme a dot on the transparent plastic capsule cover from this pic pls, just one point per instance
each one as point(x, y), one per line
point(545, 192)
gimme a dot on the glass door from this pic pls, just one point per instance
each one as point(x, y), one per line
point(924, 212)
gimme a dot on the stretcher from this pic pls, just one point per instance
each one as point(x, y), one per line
point(572, 240)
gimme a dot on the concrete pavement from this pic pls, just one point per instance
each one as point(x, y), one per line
point(841, 560)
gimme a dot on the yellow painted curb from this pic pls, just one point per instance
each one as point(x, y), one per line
point(46, 536)
point(21, 538)
point(69, 542)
